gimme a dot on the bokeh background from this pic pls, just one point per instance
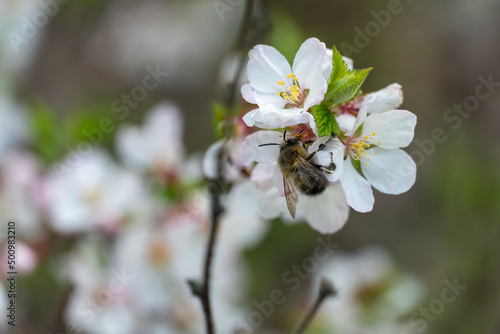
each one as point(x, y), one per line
point(64, 79)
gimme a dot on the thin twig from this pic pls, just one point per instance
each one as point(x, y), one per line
point(218, 184)
point(326, 290)
point(215, 188)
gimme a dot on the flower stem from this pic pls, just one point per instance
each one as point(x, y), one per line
point(326, 290)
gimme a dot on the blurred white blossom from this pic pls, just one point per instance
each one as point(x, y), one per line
point(94, 194)
point(374, 296)
point(157, 145)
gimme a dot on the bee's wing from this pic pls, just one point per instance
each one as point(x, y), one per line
point(291, 196)
point(309, 174)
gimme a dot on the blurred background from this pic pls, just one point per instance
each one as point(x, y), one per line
point(105, 72)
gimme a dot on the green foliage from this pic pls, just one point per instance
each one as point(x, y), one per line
point(55, 136)
point(219, 115)
point(344, 84)
point(45, 127)
point(325, 120)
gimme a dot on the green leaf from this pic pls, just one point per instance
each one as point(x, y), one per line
point(219, 115)
point(339, 67)
point(45, 127)
point(344, 84)
point(325, 120)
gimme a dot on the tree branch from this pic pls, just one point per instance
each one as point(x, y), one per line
point(326, 290)
point(219, 183)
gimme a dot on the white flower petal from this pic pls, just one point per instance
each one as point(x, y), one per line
point(388, 98)
point(250, 150)
point(272, 205)
point(389, 171)
point(248, 118)
point(317, 90)
point(309, 58)
point(248, 93)
point(277, 181)
point(326, 213)
point(393, 129)
point(307, 69)
point(346, 122)
point(301, 118)
point(242, 226)
point(144, 147)
point(266, 67)
point(271, 117)
point(231, 163)
point(210, 159)
point(358, 192)
point(270, 101)
point(362, 113)
point(262, 175)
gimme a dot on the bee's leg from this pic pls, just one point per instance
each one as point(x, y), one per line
point(330, 169)
point(307, 144)
point(311, 155)
point(321, 147)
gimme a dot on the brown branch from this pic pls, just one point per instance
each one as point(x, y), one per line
point(326, 290)
point(252, 16)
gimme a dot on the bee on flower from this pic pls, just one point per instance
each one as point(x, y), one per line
point(347, 142)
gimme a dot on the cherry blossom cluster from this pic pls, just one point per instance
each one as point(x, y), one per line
point(318, 101)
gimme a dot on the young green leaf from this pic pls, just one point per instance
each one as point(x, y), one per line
point(325, 120)
point(344, 83)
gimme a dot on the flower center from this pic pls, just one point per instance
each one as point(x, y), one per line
point(357, 147)
point(294, 94)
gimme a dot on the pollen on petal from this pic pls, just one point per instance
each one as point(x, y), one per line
point(281, 83)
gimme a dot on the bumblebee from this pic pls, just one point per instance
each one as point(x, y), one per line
point(300, 171)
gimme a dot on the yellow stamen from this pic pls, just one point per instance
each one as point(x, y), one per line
point(294, 96)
